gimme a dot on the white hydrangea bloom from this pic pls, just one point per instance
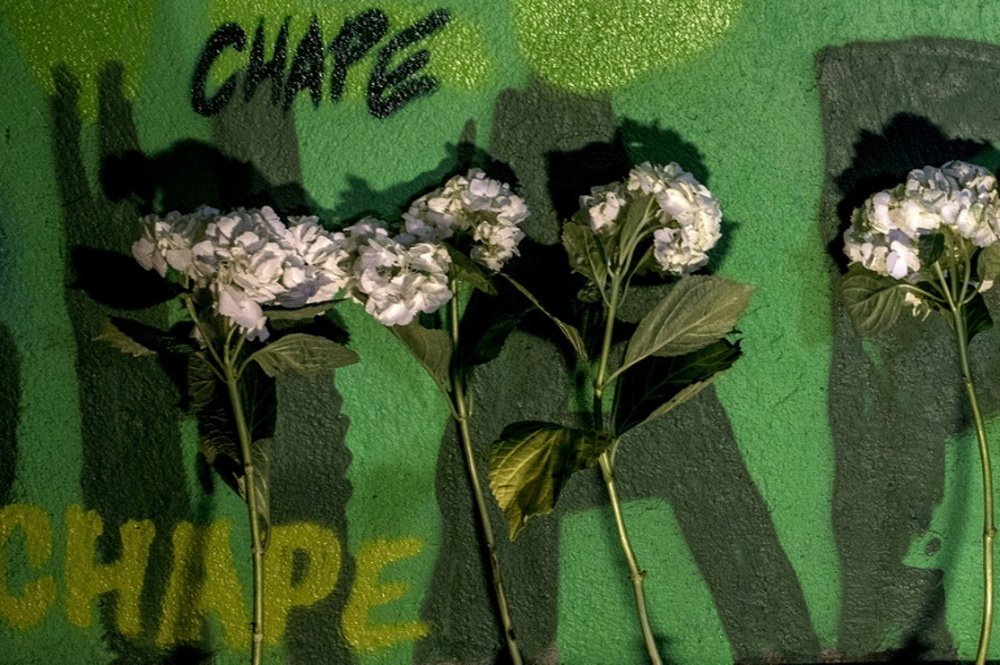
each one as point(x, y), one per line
point(168, 242)
point(604, 205)
point(326, 257)
point(434, 216)
point(885, 232)
point(960, 195)
point(248, 258)
point(689, 216)
point(473, 203)
point(396, 280)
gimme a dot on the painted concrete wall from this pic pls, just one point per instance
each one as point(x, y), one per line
point(820, 505)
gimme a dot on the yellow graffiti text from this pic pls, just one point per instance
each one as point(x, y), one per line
point(203, 583)
point(86, 580)
point(27, 608)
point(369, 592)
point(204, 598)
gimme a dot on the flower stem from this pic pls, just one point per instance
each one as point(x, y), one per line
point(249, 483)
point(989, 530)
point(636, 575)
point(461, 415)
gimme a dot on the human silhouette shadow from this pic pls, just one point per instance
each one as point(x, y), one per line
point(360, 198)
point(896, 399)
point(131, 456)
point(100, 229)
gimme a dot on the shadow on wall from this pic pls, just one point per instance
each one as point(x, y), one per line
point(133, 466)
point(559, 145)
point(895, 400)
point(10, 406)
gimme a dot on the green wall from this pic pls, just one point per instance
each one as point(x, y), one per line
point(819, 505)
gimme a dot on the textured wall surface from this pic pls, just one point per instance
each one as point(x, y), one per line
point(820, 504)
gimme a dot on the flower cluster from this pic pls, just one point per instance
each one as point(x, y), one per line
point(248, 259)
point(474, 204)
point(687, 216)
point(395, 277)
point(958, 199)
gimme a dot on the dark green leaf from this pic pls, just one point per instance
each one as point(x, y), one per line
point(930, 248)
point(697, 311)
point(988, 263)
point(468, 271)
point(118, 331)
point(217, 439)
point(872, 301)
point(431, 348)
point(111, 334)
point(655, 386)
point(571, 333)
point(299, 314)
point(302, 353)
point(531, 463)
point(585, 254)
point(977, 317)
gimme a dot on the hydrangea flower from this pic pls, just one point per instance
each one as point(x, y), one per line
point(604, 205)
point(395, 277)
point(958, 197)
point(472, 204)
point(247, 259)
point(687, 217)
point(326, 257)
point(167, 242)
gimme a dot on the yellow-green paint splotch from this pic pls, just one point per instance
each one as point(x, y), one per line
point(82, 37)
point(595, 45)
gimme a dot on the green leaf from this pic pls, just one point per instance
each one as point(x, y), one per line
point(431, 348)
point(302, 353)
point(260, 450)
point(531, 463)
point(977, 317)
point(697, 311)
point(301, 313)
point(930, 248)
point(138, 339)
point(656, 386)
point(217, 440)
point(113, 335)
point(873, 301)
point(568, 331)
point(468, 271)
point(988, 263)
point(585, 254)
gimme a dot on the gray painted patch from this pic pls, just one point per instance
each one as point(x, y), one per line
point(888, 108)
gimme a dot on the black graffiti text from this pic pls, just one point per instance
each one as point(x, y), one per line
point(390, 86)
